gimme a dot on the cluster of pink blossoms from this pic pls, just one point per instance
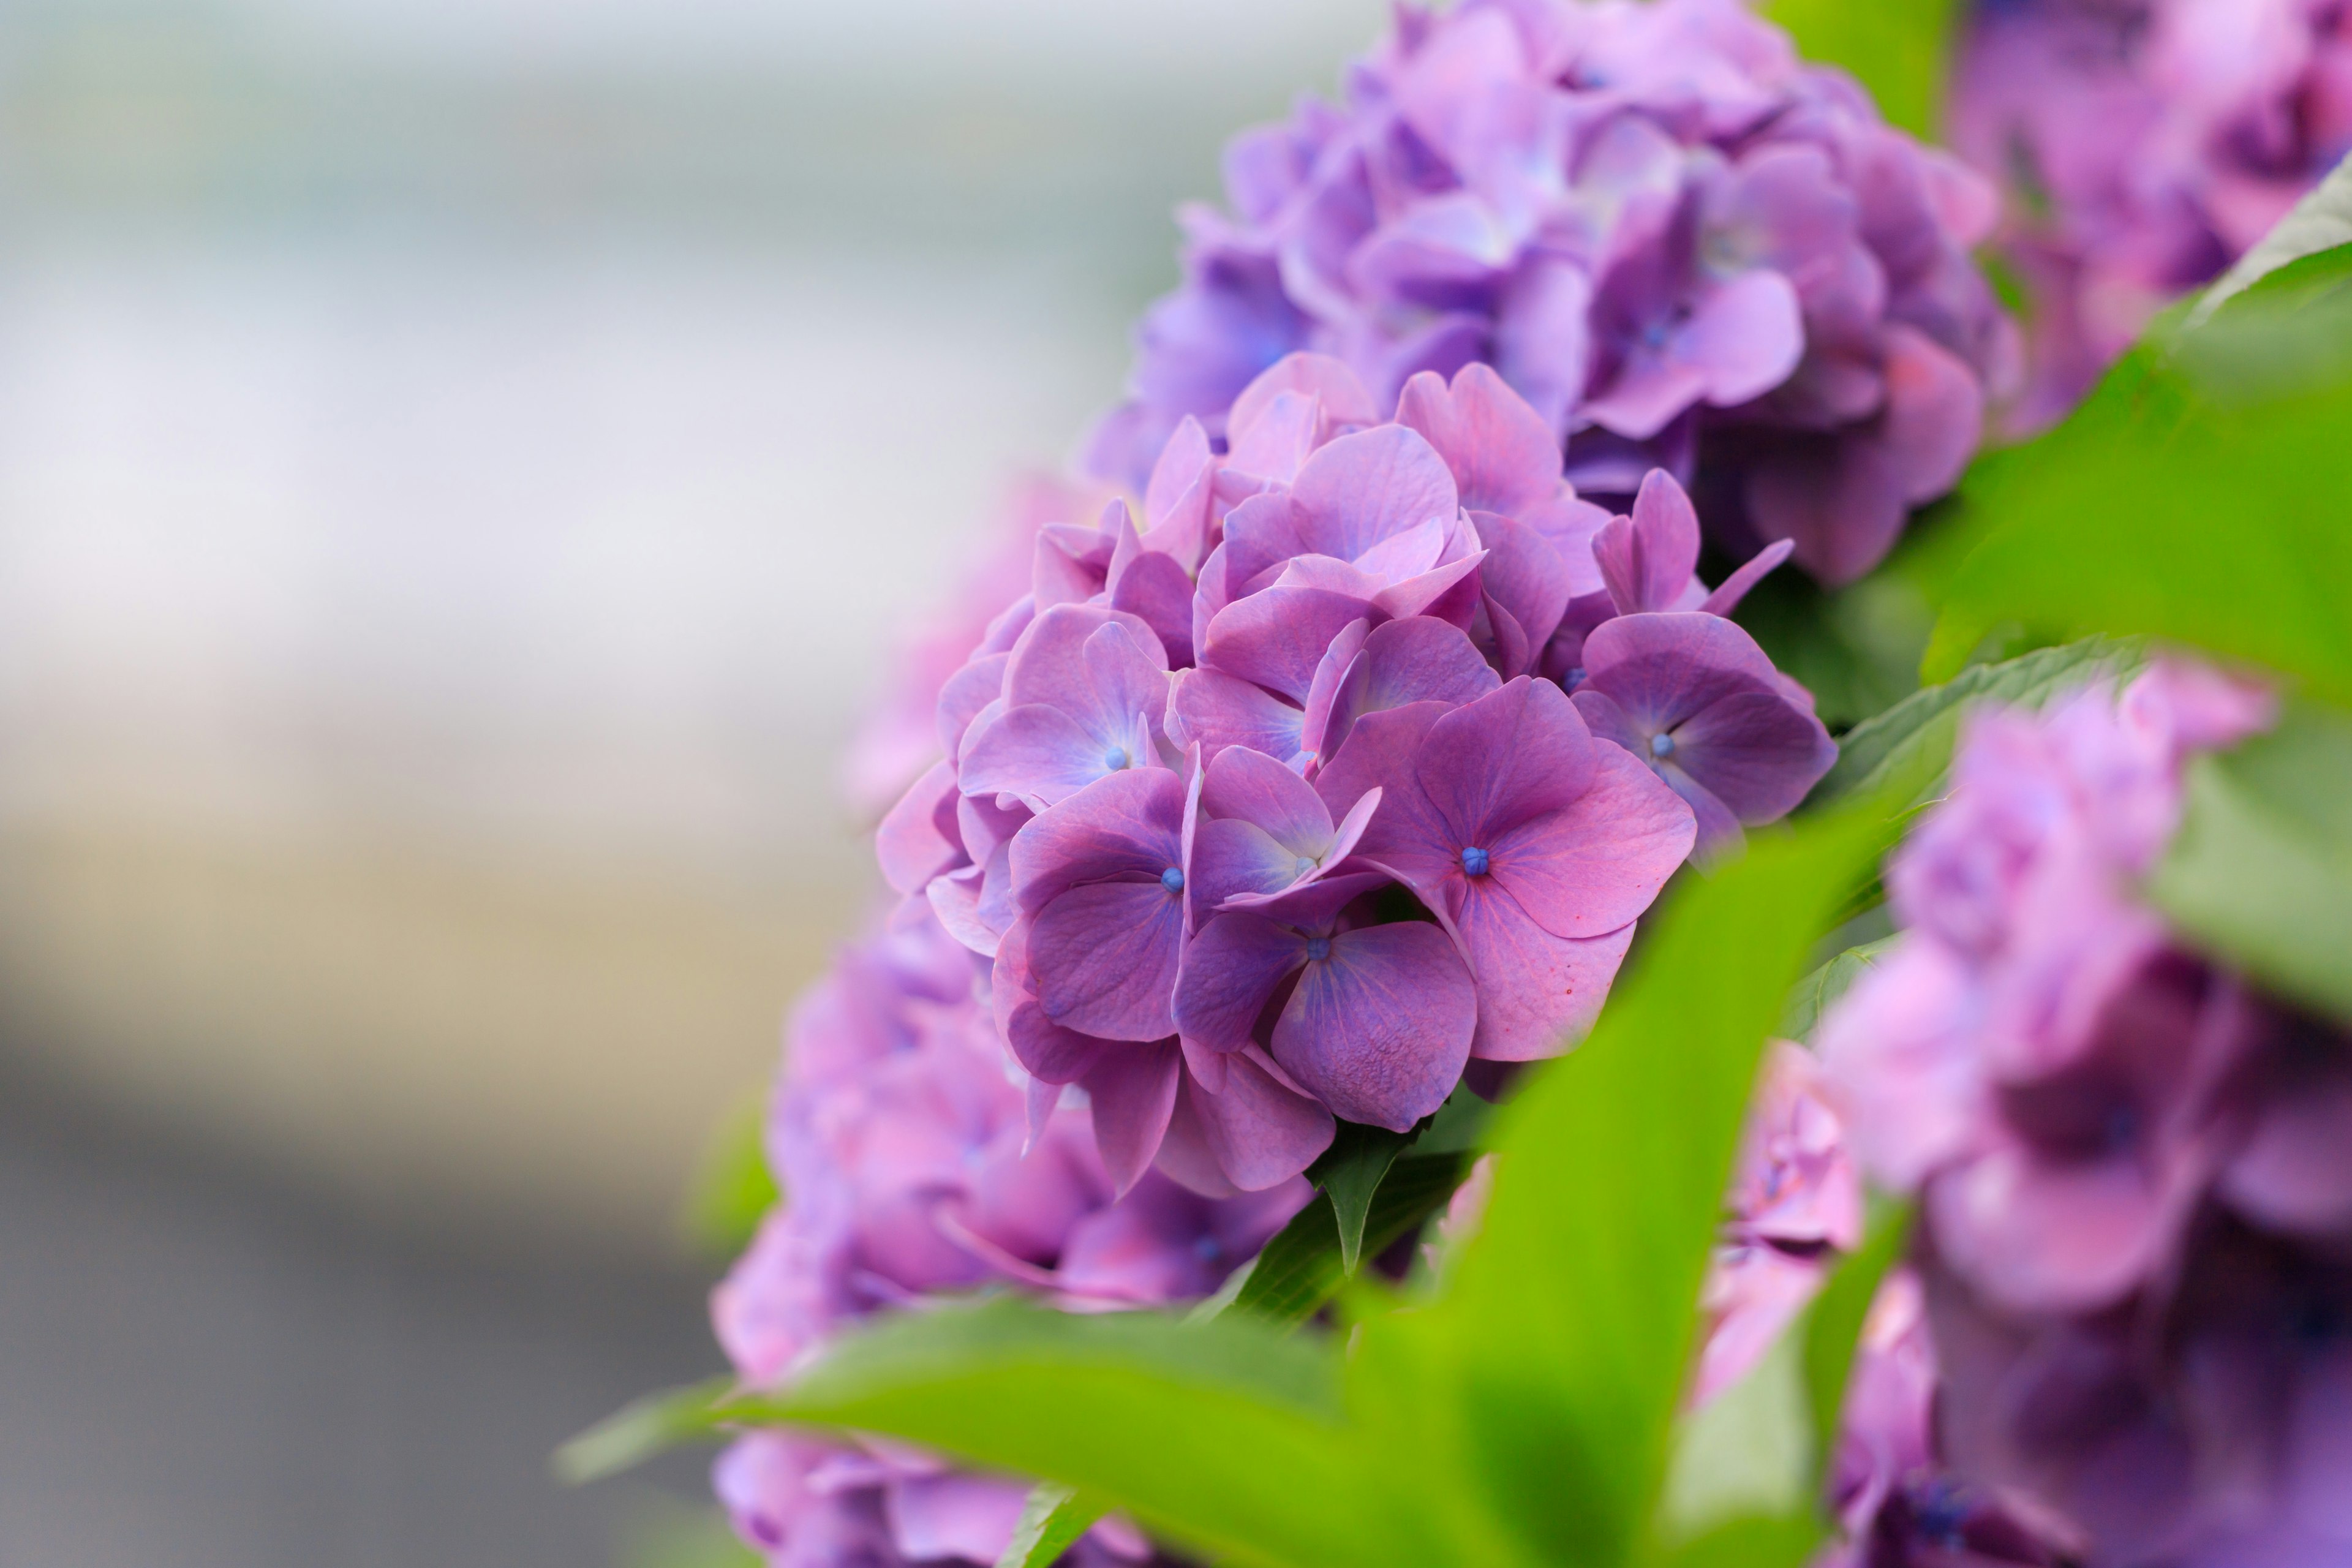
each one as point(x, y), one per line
point(1354, 762)
point(2134, 1169)
point(2146, 144)
point(1684, 247)
point(903, 1146)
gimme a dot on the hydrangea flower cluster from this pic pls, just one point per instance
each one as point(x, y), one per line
point(902, 1140)
point(1355, 761)
point(2134, 1169)
point(1684, 247)
point(2146, 144)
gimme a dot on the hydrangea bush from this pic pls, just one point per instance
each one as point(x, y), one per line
point(1301, 782)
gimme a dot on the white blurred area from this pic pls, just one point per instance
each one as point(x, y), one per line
point(461, 465)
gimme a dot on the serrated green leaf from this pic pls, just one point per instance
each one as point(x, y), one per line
point(1052, 1519)
point(1832, 1323)
point(1899, 49)
point(2321, 221)
point(2261, 870)
point(2198, 496)
point(1903, 752)
point(1349, 1173)
point(638, 1431)
point(1818, 991)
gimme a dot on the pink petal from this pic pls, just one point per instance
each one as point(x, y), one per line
point(1502, 453)
point(1275, 639)
point(1524, 573)
point(1261, 1132)
point(1361, 488)
point(1229, 971)
point(957, 1515)
point(1725, 598)
point(1647, 560)
point(1133, 1091)
point(1662, 669)
point(1515, 753)
point(967, 692)
point(1537, 992)
point(1748, 335)
point(1380, 1028)
point(1212, 709)
point(1037, 753)
point(1328, 380)
point(911, 845)
point(1185, 463)
point(1598, 864)
point(1754, 751)
point(1379, 752)
point(1231, 856)
point(1103, 958)
point(1127, 825)
point(1254, 786)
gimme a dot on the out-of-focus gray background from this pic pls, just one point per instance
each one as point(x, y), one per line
point(461, 462)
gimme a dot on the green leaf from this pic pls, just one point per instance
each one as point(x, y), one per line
point(2198, 496)
point(1052, 1519)
point(1224, 1435)
point(1349, 1173)
point(1750, 1451)
point(2322, 221)
point(1899, 49)
point(1572, 1315)
point(1301, 1268)
point(732, 1188)
point(1903, 752)
point(1832, 1324)
point(1855, 649)
point(1786, 1540)
point(650, 1426)
point(1817, 992)
point(2261, 870)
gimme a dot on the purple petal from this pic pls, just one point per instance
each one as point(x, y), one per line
point(1524, 573)
point(1212, 709)
point(1416, 660)
point(1647, 560)
point(912, 844)
point(1537, 992)
point(1254, 786)
point(1133, 1090)
point(1502, 453)
point(1103, 958)
point(1261, 533)
point(1048, 663)
point(1231, 856)
point(954, 1515)
point(1432, 591)
point(1261, 1132)
point(1361, 488)
point(1127, 825)
point(1129, 680)
point(1178, 487)
point(1229, 971)
point(1513, 755)
point(1746, 336)
point(1598, 864)
point(967, 692)
point(1277, 442)
point(1379, 1029)
point(1543, 336)
point(1645, 396)
point(1328, 380)
point(1037, 753)
point(1935, 414)
point(1725, 598)
point(1331, 671)
point(1051, 1053)
point(1661, 669)
point(1718, 826)
point(1756, 752)
point(1154, 588)
point(1275, 639)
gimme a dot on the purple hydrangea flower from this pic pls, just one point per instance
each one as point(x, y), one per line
point(2144, 145)
point(904, 1140)
point(2133, 1167)
point(1275, 810)
point(1682, 247)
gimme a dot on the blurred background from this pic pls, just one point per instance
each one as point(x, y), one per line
point(461, 465)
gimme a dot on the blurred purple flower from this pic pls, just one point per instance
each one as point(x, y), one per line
point(1681, 246)
point(2144, 145)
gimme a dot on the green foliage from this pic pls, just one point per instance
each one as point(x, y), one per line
point(1349, 1173)
point(2200, 494)
point(650, 1426)
point(1855, 649)
point(1816, 992)
point(2261, 870)
point(1899, 49)
point(1525, 1412)
point(1833, 1325)
point(732, 1187)
point(1902, 753)
point(1303, 1268)
point(1052, 1519)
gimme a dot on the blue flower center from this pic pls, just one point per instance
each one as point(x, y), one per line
point(1115, 759)
point(1574, 678)
point(1207, 1248)
point(1662, 745)
point(1318, 948)
point(1173, 880)
point(1475, 862)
